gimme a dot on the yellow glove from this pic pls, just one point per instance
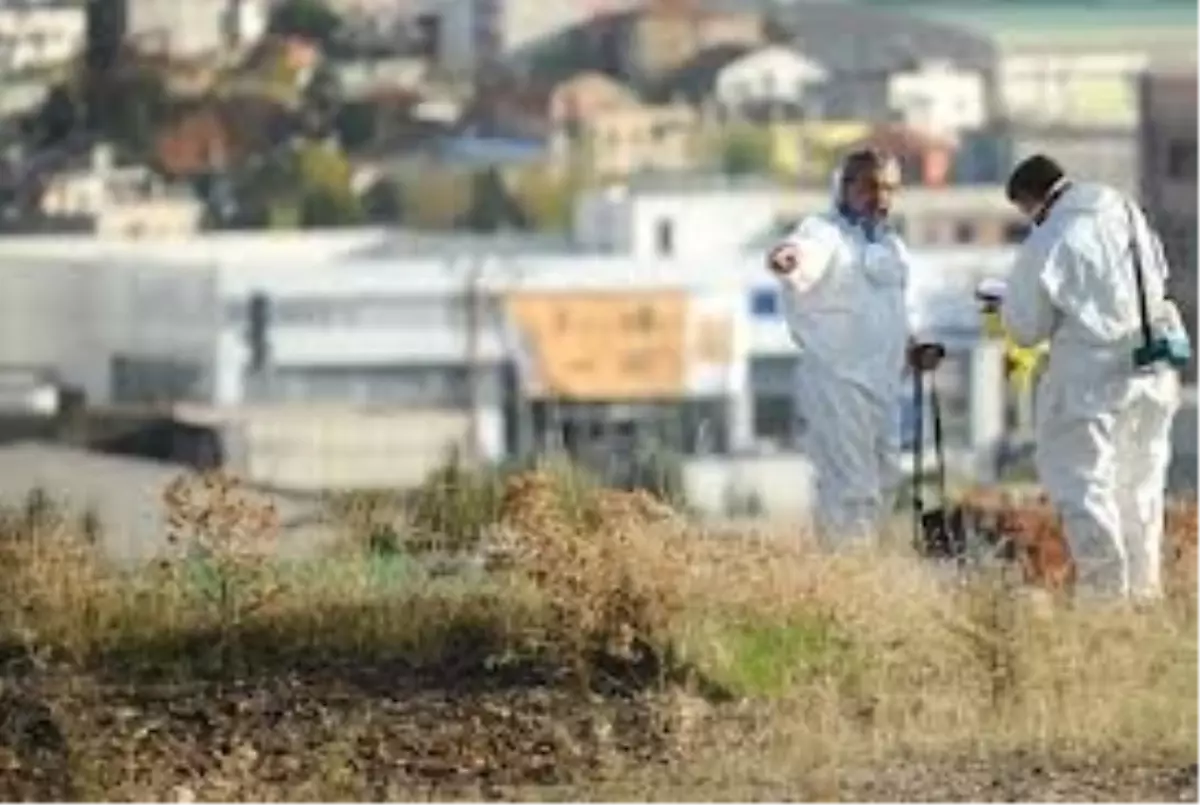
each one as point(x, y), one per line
point(1021, 362)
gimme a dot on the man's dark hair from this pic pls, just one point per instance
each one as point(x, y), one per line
point(863, 160)
point(1033, 179)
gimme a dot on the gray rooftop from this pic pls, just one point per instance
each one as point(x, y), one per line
point(848, 38)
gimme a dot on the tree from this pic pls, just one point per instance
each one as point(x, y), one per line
point(310, 19)
point(746, 151)
point(383, 202)
point(139, 105)
point(128, 108)
point(307, 186)
point(322, 207)
point(545, 199)
point(492, 207)
point(325, 186)
point(435, 197)
point(57, 118)
point(356, 124)
point(322, 99)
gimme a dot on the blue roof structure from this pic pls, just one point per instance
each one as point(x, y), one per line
point(484, 151)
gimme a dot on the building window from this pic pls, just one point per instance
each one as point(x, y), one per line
point(136, 379)
point(1181, 159)
point(964, 232)
point(764, 303)
point(774, 420)
point(665, 237)
point(432, 386)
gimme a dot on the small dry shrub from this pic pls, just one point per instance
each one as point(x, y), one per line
point(450, 512)
point(54, 588)
point(373, 524)
point(228, 533)
point(455, 507)
point(610, 566)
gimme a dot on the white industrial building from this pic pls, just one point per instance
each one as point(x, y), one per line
point(387, 347)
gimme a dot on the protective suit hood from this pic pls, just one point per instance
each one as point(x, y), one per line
point(872, 227)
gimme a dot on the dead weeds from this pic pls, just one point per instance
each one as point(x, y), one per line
point(585, 662)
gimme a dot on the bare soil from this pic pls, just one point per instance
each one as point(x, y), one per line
point(388, 733)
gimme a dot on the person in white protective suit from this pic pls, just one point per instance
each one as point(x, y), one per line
point(844, 277)
point(1102, 423)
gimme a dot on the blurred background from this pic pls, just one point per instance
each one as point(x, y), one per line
point(329, 243)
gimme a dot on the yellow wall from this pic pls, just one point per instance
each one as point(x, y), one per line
point(811, 149)
point(604, 346)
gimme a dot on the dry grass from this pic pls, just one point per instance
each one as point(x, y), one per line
point(725, 667)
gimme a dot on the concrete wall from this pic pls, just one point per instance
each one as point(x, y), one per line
point(780, 485)
point(77, 316)
point(306, 448)
point(52, 314)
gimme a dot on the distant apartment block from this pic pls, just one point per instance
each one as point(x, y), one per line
point(36, 35)
point(1106, 154)
point(1089, 89)
point(935, 97)
point(194, 28)
point(127, 202)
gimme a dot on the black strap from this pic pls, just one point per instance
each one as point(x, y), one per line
point(938, 446)
point(1138, 275)
point(918, 451)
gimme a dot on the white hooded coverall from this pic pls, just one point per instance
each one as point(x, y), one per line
point(1102, 426)
point(845, 304)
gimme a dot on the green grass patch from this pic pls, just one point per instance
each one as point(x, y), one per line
point(769, 659)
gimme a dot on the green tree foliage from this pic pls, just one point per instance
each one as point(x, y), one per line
point(140, 105)
point(311, 19)
point(745, 151)
point(130, 107)
point(308, 186)
point(356, 124)
point(383, 203)
point(325, 187)
point(545, 198)
point(492, 207)
point(435, 197)
point(60, 114)
point(322, 100)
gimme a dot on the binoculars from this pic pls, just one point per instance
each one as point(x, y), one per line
point(1176, 352)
